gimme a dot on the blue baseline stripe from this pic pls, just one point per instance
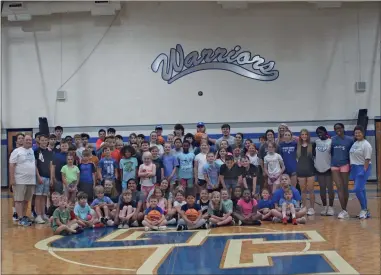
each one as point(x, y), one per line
point(216, 136)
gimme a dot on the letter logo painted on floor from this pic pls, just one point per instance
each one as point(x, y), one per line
point(201, 252)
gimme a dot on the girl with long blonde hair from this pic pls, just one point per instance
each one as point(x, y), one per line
point(305, 169)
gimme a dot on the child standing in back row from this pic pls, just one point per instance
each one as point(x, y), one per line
point(128, 165)
point(186, 167)
point(170, 163)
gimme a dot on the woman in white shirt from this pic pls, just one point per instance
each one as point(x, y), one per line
point(361, 168)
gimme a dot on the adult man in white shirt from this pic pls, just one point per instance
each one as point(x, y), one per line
point(22, 173)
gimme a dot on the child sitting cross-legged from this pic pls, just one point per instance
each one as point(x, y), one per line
point(288, 207)
point(62, 224)
point(154, 218)
point(265, 205)
point(127, 209)
point(82, 211)
point(204, 203)
point(191, 215)
point(246, 210)
point(219, 215)
point(101, 205)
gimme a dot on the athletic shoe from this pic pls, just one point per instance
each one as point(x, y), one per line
point(125, 226)
point(39, 220)
point(135, 224)
point(180, 227)
point(45, 217)
point(276, 220)
point(311, 212)
point(213, 225)
point(156, 228)
point(257, 223)
point(239, 222)
point(109, 222)
point(78, 230)
point(284, 220)
point(301, 220)
point(24, 222)
point(103, 220)
point(15, 217)
point(162, 228)
point(362, 214)
point(171, 221)
point(324, 211)
point(98, 225)
point(34, 214)
point(120, 226)
point(294, 222)
point(330, 211)
point(146, 228)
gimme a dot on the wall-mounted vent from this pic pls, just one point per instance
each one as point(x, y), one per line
point(15, 5)
point(360, 86)
point(61, 95)
point(101, 2)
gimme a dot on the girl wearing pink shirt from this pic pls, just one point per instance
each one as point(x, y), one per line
point(246, 211)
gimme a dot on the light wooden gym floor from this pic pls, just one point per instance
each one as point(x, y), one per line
point(323, 245)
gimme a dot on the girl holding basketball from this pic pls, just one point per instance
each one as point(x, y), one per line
point(154, 218)
point(219, 214)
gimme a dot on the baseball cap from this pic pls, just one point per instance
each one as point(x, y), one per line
point(200, 124)
point(159, 127)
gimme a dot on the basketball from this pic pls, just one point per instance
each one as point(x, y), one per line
point(198, 137)
point(154, 215)
point(192, 214)
point(160, 140)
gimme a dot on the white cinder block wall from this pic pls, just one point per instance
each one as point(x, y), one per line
point(316, 51)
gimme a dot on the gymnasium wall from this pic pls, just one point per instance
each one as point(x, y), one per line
point(319, 54)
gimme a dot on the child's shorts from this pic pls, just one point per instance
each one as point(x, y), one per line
point(342, 169)
point(186, 183)
point(230, 184)
point(201, 182)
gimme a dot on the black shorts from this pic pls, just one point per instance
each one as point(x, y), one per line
point(326, 173)
point(201, 182)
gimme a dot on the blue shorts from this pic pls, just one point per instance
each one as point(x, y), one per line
point(42, 189)
point(230, 184)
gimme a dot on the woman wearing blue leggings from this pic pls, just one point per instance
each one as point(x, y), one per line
point(361, 168)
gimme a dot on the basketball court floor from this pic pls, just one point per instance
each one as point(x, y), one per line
point(325, 245)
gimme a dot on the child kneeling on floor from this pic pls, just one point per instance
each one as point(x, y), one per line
point(191, 215)
point(246, 211)
point(219, 214)
point(62, 224)
point(154, 218)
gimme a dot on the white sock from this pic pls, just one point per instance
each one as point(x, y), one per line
point(14, 210)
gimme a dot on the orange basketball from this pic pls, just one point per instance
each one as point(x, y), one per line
point(198, 137)
point(192, 214)
point(160, 140)
point(154, 215)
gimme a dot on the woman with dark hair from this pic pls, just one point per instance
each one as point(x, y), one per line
point(361, 168)
point(178, 131)
point(322, 153)
point(341, 144)
point(190, 137)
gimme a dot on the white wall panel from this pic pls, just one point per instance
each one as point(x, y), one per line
point(316, 52)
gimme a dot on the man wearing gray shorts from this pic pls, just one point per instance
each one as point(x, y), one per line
point(22, 174)
point(43, 158)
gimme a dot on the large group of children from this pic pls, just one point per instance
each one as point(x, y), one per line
point(194, 181)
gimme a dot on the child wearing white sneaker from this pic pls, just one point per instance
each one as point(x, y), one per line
point(154, 218)
point(288, 207)
point(127, 209)
point(102, 205)
point(62, 223)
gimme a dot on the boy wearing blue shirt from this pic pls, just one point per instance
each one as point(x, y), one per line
point(107, 167)
point(186, 167)
point(211, 172)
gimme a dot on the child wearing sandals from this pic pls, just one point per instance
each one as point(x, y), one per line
point(288, 207)
point(246, 210)
point(154, 218)
point(219, 215)
point(265, 205)
point(62, 224)
point(127, 209)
